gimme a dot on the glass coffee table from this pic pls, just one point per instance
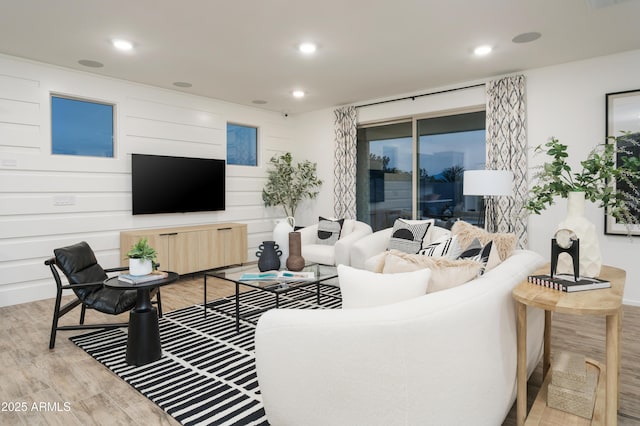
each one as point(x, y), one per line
point(323, 276)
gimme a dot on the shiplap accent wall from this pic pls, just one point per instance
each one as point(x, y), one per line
point(48, 201)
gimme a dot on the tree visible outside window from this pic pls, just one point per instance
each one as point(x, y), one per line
point(242, 145)
point(81, 127)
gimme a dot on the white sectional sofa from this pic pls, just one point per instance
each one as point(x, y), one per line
point(445, 358)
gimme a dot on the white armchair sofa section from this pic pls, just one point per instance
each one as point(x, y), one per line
point(446, 358)
point(340, 253)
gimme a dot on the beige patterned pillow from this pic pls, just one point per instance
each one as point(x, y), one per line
point(445, 273)
point(466, 232)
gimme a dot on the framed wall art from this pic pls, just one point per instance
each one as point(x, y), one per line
point(623, 115)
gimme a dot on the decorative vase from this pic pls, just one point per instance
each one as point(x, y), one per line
point(590, 257)
point(139, 267)
point(269, 256)
point(281, 236)
point(295, 261)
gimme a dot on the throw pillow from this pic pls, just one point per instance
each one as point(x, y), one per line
point(329, 230)
point(476, 251)
point(407, 236)
point(364, 289)
point(445, 273)
point(466, 232)
point(443, 247)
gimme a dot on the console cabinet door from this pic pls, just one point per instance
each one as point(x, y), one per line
point(183, 252)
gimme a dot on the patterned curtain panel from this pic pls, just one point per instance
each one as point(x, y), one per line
point(344, 171)
point(507, 150)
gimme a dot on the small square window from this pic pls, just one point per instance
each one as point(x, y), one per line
point(81, 127)
point(242, 145)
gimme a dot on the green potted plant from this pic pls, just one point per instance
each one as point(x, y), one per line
point(594, 182)
point(141, 258)
point(289, 183)
point(556, 178)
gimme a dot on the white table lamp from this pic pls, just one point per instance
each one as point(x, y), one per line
point(488, 183)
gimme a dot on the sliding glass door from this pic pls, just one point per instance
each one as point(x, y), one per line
point(384, 182)
point(447, 146)
point(413, 169)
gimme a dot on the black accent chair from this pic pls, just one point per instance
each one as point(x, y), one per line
point(86, 277)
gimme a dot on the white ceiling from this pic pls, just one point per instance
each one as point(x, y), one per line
point(245, 50)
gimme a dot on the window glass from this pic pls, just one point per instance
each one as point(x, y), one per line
point(447, 146)
point(384, 174)
point(443, 149)
point(242, 145)
point(81, 127)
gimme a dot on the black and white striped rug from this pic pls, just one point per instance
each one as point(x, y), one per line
point(206, 375)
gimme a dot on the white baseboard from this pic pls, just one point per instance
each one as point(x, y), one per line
point(15, 294)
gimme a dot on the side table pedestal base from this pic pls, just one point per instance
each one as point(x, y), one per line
point(143, 342)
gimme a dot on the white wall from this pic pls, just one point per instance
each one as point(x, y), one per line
point(149, 120)
point(566, 101)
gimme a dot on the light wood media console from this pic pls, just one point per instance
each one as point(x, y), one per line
point(190, 249)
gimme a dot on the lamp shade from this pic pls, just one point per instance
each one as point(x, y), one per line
point(488, 182)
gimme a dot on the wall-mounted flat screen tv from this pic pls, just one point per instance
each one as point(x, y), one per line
point(164, 184)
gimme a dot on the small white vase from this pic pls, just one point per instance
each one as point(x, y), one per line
point(139, 267)
point(590, 257)
point(281, 236)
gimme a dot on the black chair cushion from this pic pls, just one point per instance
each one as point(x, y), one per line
point(111, 300)
point(80, 266)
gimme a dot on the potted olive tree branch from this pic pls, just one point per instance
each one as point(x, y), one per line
point(556, 178)
point(289, 183)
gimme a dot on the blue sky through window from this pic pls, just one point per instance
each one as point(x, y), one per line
point(242, 145)
point(81, 127)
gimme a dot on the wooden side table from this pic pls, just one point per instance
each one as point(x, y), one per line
point(601, 302)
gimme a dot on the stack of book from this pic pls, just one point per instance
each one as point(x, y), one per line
point(568, 283)
point(278, 276)
point(139, 279)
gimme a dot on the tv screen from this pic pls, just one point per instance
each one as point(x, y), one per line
point(163, 184)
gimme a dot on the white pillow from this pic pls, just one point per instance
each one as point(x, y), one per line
point(364, 289)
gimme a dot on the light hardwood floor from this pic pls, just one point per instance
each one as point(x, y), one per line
point(30, 373)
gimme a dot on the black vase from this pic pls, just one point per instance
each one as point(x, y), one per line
point(269, 256)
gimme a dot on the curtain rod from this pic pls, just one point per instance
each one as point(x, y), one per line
point(413, 98)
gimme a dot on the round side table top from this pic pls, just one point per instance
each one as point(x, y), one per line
point(115, 283)
point(604, 301)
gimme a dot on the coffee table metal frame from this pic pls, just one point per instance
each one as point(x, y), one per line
point(323, 273)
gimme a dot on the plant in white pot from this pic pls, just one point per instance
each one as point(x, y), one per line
point(141, 258)
point(602, 166)
point(287, 185)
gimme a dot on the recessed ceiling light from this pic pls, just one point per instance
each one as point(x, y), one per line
point(482, 50)
point(122, 44)
point(182, 84)
point(307, 48)
point(90, 63)
point(526, 37)
point(298, 94)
